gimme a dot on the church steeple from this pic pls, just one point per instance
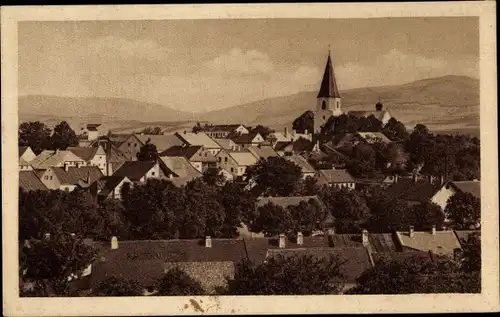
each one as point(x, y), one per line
point(329, 87)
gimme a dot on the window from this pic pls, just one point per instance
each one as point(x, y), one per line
point(152, 173)
point(225, 159)
point(66, 189)
point(324, 117)
point(50, 177)
point(323, 105)
point(220, 159)
point(232, 170)
point(135, 144)
point(46, 177)
point(129, 144)
point(338, 104)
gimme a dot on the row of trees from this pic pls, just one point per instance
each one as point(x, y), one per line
point(40, 137)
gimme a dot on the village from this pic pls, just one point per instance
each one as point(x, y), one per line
point(341, 202)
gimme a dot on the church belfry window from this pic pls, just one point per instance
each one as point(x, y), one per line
point(337, 102)
point(323, 105)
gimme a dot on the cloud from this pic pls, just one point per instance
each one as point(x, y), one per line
point(238, 62)
point(396, 67)
point(141, 49)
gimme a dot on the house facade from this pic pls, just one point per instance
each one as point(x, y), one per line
point(224, 130)
point(93, 156)
point(235, 162)
point(247, 140)
point(69, 178)
point(57, 158)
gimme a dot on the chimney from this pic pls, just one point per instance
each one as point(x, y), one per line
point(285, 132)
point(114, 243)
point(66, 166)
point(282, 241)
point(293, 133)
point(300, 238)
point(442, 180)
point(411, 232)
point(46, 236)
point(364, 237)
point(415, 177)
point(396, 178)
point(331, 232)
point(208, 242)
point(306, 132)
point(433, 230)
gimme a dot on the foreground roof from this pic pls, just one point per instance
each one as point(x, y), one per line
point(161, 141)
point(441, 243)
point(471, 187)
point(85, 153)
point(301, 162)
point(28, 180)
point(134, 170)
point(181, 167)
point(77, 175)
point(421, 190)
point(262, 151)
point(48, 159)
point(244, 158)
point(333, 176)
point(199, 138)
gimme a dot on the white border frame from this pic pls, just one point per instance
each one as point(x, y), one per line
point(487, 301)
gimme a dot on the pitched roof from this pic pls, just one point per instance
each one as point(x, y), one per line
point(285, 202)
point(23, 162)
point(282, 145)
point(28, 180)
point(301, 162)
point(76, 175)
point(85, 153)
point(118, 139)
point(181, 167)
point(333, 176)
point(162, 141)
point(244, 158)
point(328, 83)
point(382, 242)
point(257, 248)
point(225, 143)
point(145, 261)
point(354, 261)
point(463, 235)
point(93, 126)
point(245, 138)
point(442, 242)
point(108, 183)
point(400, 256)
point(22, 149)
point(405, 188)
point(48, 159)
point(199, 138)
point(262, 151)
point(471, 187)
point(371, 137)
point(180, 150)
point(134, 170)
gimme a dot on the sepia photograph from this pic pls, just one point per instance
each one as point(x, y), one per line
point(208, 158)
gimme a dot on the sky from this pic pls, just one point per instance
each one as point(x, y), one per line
point(203, 65)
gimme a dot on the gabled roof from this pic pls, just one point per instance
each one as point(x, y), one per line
point(262, 151)
point(245, 138)
point(76, 175)
point(244, 158)
point(334, 176)
point(23, 149)
point(181, 167)
point(85, 153)
point(93, 126)
point(282, 145)
point(134, 170)
point(463, 235)
point(179, 150)
point(162, 141)
point(222, 127)
point(471, 187)
point(406, 189)
point(285, 202)
point(372, 137)
point(118, 139)
point(301, 162)
point(108, 183)
point(225, 143)
point(28, 180)
point(328, 83)
point(48, 159)
point(199, 138)
point(23, 162)
point(382, 242)
point(441, 243)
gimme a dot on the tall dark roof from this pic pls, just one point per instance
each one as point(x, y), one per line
point(75, 175)
point(406, 189)
point(329, 84)
point(28, 180)
point(134, 170)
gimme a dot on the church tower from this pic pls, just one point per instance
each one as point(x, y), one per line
point(328, 100)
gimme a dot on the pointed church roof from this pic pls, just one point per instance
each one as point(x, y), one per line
point(329, 84)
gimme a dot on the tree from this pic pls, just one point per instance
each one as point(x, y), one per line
point(418, 144)
point(471, 261)
point(416, 274)
point(272, 220)
point(147, 152)
point(291, 275)
point(63, 136)
point(304, 122)
point(197, 128)
point(363, 162)
point(239, 206)
point(396, 157)
point(370, 124)
point(159, 202)
point(111, 221)
point(212, 176)
point(341, 124)
point(177, 283)
point(262, 130)
point(307, 217)
point(395, 130)
point(275, 176)
point(426, 215)
point(114, 286)
point(50, 263)
point(389, 215)
point(35, 134)
point(151, 131)
point(464, 211)
point(347, 207)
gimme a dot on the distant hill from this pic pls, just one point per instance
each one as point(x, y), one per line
point(449, 103)
point(96, 108)
point(444, 103)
